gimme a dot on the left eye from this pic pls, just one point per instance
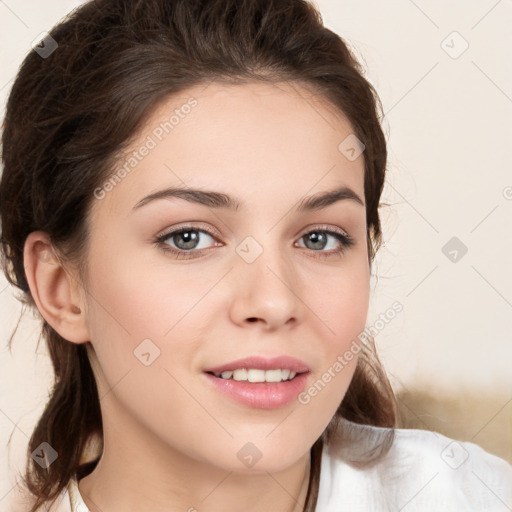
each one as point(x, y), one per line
point(319, 239)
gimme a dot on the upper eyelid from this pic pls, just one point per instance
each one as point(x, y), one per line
point(189, 227)
point(213, 232)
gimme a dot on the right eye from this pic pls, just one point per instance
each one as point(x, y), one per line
point(184, 242)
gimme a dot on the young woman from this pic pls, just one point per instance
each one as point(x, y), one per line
point(190, 200)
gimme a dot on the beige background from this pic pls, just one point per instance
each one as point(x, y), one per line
point(449, 352)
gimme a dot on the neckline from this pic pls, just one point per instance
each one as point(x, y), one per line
point(75, 498)
point(354, 431)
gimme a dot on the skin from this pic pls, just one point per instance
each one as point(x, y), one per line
point(171, 440)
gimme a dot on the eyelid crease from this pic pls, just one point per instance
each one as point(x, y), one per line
point(188, 227)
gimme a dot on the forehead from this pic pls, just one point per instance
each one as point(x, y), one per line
point(254, 139)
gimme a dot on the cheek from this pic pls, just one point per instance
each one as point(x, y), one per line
point(344, 309)
point(341, 305)
point(339, 299)
point(143, 311)
point(347, 308)
point(140, 298)
point(141, 323)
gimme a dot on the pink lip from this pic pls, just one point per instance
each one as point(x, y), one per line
point(262, 363)
point(261, 395)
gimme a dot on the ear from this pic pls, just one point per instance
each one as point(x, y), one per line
point(55, 290)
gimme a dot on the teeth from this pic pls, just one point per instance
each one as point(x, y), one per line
point(256, 375)
point(240, 374)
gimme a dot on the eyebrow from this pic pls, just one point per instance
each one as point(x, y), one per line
point(219, 200)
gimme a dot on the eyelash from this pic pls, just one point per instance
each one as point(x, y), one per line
point(345, 240)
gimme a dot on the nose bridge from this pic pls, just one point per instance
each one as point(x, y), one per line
point(266, 284)
point(263, 255)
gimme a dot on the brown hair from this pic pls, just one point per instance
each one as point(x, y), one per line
point(69, 114)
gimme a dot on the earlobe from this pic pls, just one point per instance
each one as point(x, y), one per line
point(55, 291)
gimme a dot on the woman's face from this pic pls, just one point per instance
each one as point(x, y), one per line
point(237, 283)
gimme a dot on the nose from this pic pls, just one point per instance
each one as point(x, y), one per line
point(266, 291)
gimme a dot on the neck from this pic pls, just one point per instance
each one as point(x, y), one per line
point(141, 475)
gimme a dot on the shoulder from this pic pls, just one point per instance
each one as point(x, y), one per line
point(421, 471)
point(462, 470)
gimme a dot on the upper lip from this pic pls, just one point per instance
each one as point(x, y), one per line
point(263, 363)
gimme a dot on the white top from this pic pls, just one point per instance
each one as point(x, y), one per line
point(424, 471)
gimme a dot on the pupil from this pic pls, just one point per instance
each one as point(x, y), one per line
point(318, 240)
point(190, 238)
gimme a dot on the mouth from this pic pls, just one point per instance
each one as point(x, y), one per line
point(251, 389)
point(257, 375)
point(260, 382)
point(260, 369)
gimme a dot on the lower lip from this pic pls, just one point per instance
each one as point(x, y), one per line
point(261, 395)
